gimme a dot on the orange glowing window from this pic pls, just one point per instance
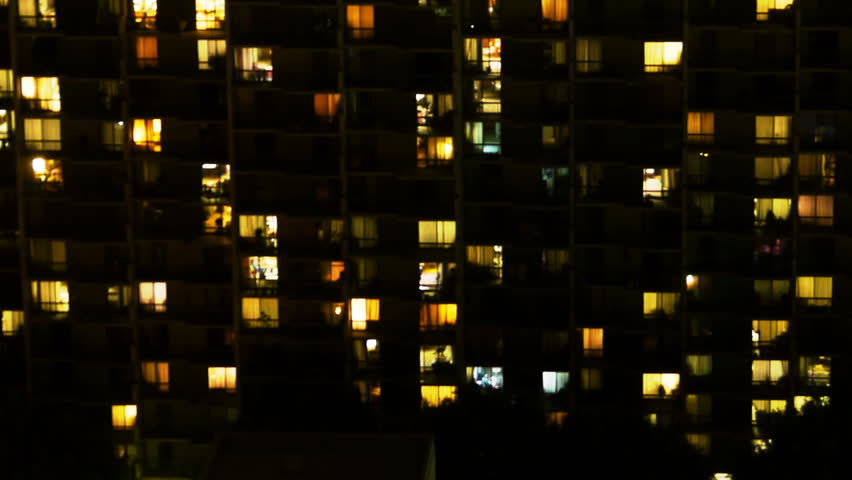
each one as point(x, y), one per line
point(123, 417)
point(156, 374)
point(325, 105)
point(360, 22)
point(333, 271)
point(363, 310)
point(593, 342)
point(146, 52)
point(152, 296)
point(222, 378)
point(554, 10)
point(147, 134)
point(700, 127)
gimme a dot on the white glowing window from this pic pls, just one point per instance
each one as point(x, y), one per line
point(209, 14)
point(662, 56)
point(222, 378)
point(152, 296)
point(660, 384)
point(658, 183)
point(41, 93)
point(262, 269)
point(486, 377)
point(363, 310)
point(554, 382)
point(435, 357)
point(145, 13)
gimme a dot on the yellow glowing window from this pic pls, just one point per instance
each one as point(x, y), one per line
point(47, 171)
point(766, 331)
point(209, 14)
point(254, 64)
point(759, 408)
point(152, 296)
point(41, 93)
point(6, 123)
point(772, 130)
point(769, 210)
point(43, 133)
point(589, 55)
point(37, 13)
point(656, 303)
point(50, 296)
point(699, 441)
point(662, 56)
point(769, 169)
point(332, 271)
point(657, 183)
point(700, 127)
point(363, 310)
point(815, 370)
point(145, 13)
point(260, 312)
point(660, 384)
point(484, 54)
point(360, 22)
point(11, 321)
point(326, 105)
point(486, 96)
point(222, 378)
point(209, 52)
point(434, 357)
point(814, 291)
point(156, 374)
point(365, 231)
point(437, 395)
point(554, 10)
point(435, 316)
point(123, 417)
point(434, 151)
point(437, 233)
point(764, 6)
point(800, 402)
point(146, 52)
point(816, 210)
point(593, 342)
point(147, 134)
point(253, 226)
point(768, 371)
point(217, 218)
point(486, 262)
point(591, 379)
point(554, 382)
point(699, 365)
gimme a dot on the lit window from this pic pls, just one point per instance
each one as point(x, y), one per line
point(6, 123)
point(772, 130)
point(332, 312)
point(215, 180)
point(41, 93)
point(814, 291)
point(152, 296)
point(217, 218)
point(592, 342)
point(156, 374)
point(659, 303)
point(435, 357)
point(436, 316)
point(486, 96)
point(483, 54)
point(431, 107)
point(145, 13)
point(760, 445)
point(700, 442)
point(12, 321)
point(556, 52)
point(209, 14)
point(42, 133)
point(554, 382)
point(817, 167)
point(262, 270)
point(815, 370)
point(556, 418)
point(363, 310)
point(370, 392)
point(771, 292)
point(360, 23)
point(7, 86)
point(147, 134)
point(764, 332)
point(48, 254)
point(555, 261)
point(437, 233)
point(112, 136)
point(768, 170)
point(37, 13)
point(699, 365)
point(590, 379)
point(768, 211)
point(146, 52)
point(699, 407)
point(433, 275)
point(434, 151)
point(437, 395)
point(330, 231)
point(50, 296)
point(589, 55)
point(260, 312)
point(47, 173)
point(764, 7)
point(692, 282)
point(326, 105)
point(700, 127)
point(486, 262)
point(365, 231)
point(816, 210)
point(660, 384)
point(555, 11)
point(761, 408)
point(263, 228)
point(253, 64)
point(331, 271)
point(554, 135)
point(483, 137)
point(222, 378)
point(658, 183)
point(366, 351)
point(768, 371)
point(118, 297)
point(800, 402)
point(211, 54)
point(662, 56)
point(486, 377)
point(123, 417)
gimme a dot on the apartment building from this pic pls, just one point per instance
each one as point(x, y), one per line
point(298, 214)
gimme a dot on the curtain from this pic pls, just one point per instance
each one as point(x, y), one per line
point(153, 293)
point(123, 417)
point(363, 310)
point(359, 19)
point(700, 124)
point(491, 55)
point(246, 58)
point(473, 132)
point(146, 51)
point(554, 10)
point(440, 148)
point(781, 126)
point(654, 56)
point(209, 14)
point(589, 54)
point(593, 339)
point(771, 168)
point(365, 230)
point(326, 104)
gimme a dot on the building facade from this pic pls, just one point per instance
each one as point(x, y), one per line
point(251, 213)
